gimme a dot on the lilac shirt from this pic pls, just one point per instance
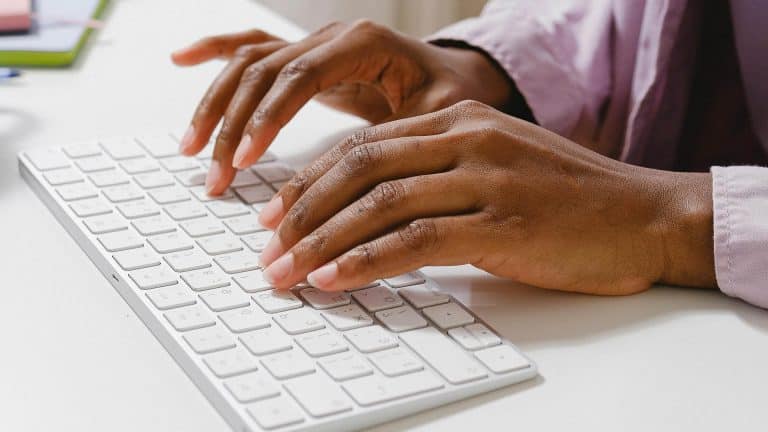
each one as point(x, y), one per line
point(611, 75)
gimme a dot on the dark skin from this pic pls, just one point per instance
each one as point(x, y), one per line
point(442, 182)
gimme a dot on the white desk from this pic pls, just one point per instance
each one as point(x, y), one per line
point(73, 357)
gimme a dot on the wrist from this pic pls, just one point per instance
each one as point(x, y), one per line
point(684, 229)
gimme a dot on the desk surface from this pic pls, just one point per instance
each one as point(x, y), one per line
point(73, 357)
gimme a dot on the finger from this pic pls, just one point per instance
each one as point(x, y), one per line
point(432, 241)
point(217, 97)
point(389, 205)
point(425, 125)
point(219, 46)
point(255, 81)
point(361, 169)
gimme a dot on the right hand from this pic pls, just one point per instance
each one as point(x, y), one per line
point(360, 68)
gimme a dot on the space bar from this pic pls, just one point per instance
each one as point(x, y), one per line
point(371, 390)
point(450, 361)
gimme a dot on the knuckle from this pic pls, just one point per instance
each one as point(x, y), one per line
point(298, 184)
point(260, 114)
point(297, 216)
point(364, 24)
point(358, 138)
point(362, 157)
point(364, 256)
point(333, 25)
point(388, 195)
point(227, 133)
point(244, 51)
point(471, 105)
point(316, 243)
point(420, 236)
point(296, 69)
point(254, 73)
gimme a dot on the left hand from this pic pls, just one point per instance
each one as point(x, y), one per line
point(468, 184)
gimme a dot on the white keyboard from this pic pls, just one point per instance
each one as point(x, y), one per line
point(267, 360)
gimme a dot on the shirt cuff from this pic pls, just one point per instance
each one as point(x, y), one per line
point(740, 200)
point(533, 59)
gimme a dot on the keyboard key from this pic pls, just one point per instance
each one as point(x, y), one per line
point(421, 296)
point(299, 321)
point(443, 355)
point(276, 412)
point(45, 159)
point(413, 278)
point(288, 364)
point(255, 193)
point(230, 362)
point(118, 194)
point(321, 343)
point(209, 339)
point(201, 193)
point(121, 148)
point(191, 177)
point(189, 318)
point(244, 224)
point(245, 319)
point(137, 209)
point(202, 227)
point(209, 278)
point(448, 315)
point(238, 262)
point(94, 163)
point(227, 208)
point(169, 195)
point(90, 207)
point(82, 150)
point(153, 277)
point(474, 336)
point(377, 298)
point(153, 225)
point(266, 341)
point(120, 240)
point(324, 299)
point(62, 176)
point(268, 156)
point(179, 163)
point(245, 178)
point(104, 224)
point(347, 317)
point(187, 260)
point(106, 178)
point(401, 319)
point(222, 299)
point(171, 297)
point(319, 395)
point(371, 390)
point(170, 242)
point(502, 359)
point(139, 165)
point(159, 145)
point(153, 180)
point(135, 259)
point(370, 285)
point(185, 210)
point(371, 339)
point(396, 362)
point(76, 191)
point(252, 282)
point(251, 387)
point(274, 172)
point(216, 245)
point(274, 301)
point(345, 366)
point(257, 241)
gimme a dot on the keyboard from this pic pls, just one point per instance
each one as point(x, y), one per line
point(298, 359)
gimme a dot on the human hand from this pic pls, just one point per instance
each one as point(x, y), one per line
point(361, 68)
point(471, 185)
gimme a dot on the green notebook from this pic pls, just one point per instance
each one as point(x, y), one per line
point(56, 37)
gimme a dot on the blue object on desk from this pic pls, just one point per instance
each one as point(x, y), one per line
point(6, 73)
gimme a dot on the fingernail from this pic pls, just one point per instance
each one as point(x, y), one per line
point(187, 140)
point(280, 269)
point(271, 251)
point(242, 151)
point(324, 276)
point(213, 177)
point(269, 215)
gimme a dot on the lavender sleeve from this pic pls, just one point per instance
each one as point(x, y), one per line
point(557, 53)
point(740, 198)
